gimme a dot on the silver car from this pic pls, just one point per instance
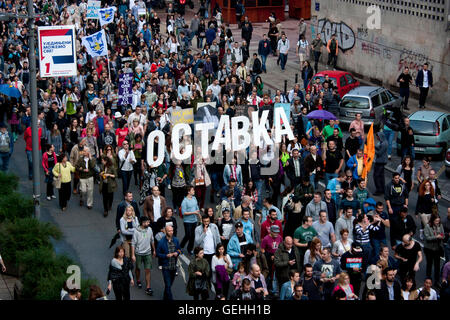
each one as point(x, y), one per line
point(370, 102)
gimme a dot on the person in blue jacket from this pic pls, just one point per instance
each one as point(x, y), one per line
point(210, 34)
point(356, 164)
point(168, 251)
point(237, 245)
point(287, 289)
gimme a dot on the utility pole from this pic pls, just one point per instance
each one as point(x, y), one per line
point(34, 112)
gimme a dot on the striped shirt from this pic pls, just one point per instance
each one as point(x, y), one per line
point(362, 237)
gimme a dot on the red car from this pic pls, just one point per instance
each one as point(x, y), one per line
point(343, 80)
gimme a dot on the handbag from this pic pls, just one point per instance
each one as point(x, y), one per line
point(200, 284)
point(57, 180)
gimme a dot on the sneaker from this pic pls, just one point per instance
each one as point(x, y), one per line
point(169, 187)
point(160, 267)
point(421, 234)
point(149, 291)
point(139, 285)
point(389, 157)
point(53, 196)
point(49, 198)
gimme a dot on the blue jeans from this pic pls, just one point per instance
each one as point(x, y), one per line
point(328, 177)
point(126, 179)
point(312, 180)
point(4, 156)
point(376, 244)
point(215, 181)
point(389, 134)
point(30, 163)
point(263, 61)
point(168, 276)
point(283, 60)
point(367, 255)
point(199, 42)
point(409, 150)
point(259, 187)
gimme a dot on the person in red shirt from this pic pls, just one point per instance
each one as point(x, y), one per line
point(29, 147)
point(266, 225)
point(121, 133)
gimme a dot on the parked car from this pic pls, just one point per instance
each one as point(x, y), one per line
point(447, 163)
point(343, 80)
point(431, 133)
point(370, 101)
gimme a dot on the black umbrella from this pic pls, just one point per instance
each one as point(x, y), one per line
point(114, 240)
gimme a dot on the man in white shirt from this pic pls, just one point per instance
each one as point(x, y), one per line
point(154, 207)
point(127, 159)
point(207, 236)
point(137, 115)
point(215, 88)
point(427, 287)
point(283, 48)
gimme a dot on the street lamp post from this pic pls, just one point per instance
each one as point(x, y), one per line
point(34, 112)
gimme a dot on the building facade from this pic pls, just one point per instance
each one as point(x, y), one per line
point(410, 33)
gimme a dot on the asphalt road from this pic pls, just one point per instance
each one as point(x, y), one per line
point(87, 233)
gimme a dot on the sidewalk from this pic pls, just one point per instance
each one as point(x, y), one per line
point(7, 287)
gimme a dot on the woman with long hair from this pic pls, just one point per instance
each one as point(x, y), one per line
point(128, 224)
point(120, 275)
point(251, 191)
point(409, 291)
point(56, 140)
point(73, 134)
point(220, 265)
point(314, 253)
point(425, 201)
point(344, 285)
point(407, 171)
point(108, 184)
point(342, 245)
point(433, 247)
point(49, 160)
point(109, 153)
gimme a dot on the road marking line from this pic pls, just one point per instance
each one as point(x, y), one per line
point(440, 171)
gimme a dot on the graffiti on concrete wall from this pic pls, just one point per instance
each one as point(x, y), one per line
point(375, 48)
point(363, 32)
point(344, 34)
point(413, 60)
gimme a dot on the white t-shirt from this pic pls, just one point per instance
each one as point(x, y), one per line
point(156, 208)
point(208, 243)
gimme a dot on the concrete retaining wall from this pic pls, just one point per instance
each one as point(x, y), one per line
point(404, 39)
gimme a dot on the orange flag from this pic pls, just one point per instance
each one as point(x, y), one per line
point(369, 153)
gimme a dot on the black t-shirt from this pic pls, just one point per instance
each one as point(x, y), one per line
point(243, 243)
point(311, 288)
point(410, 254)
point(352, 145)
point(332, 161)
point(258, 283)
point(406, 79)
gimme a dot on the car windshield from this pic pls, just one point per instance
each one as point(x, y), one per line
point(423, 127)
point(322, 79)
point(355, 102)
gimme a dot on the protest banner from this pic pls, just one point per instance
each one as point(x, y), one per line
point(183, 116)
point(125, 89)
point(92, 9)
point(57, 56)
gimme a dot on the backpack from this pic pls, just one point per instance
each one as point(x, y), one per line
point(5, 143)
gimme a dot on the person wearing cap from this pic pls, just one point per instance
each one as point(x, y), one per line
point(237, 246)
point(142, 249)
point(207, 236)
point(272, 221)
point(351, 262)
point(6, 147)
point(269, 246)
point(226, 226)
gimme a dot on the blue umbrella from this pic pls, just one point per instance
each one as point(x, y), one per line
point(321, 114)
point(10, 91)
